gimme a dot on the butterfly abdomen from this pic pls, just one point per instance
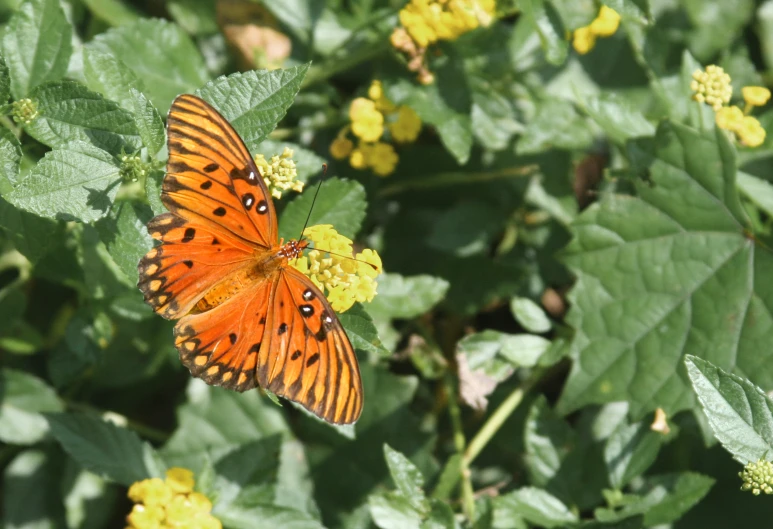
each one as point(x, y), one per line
point(266, 264)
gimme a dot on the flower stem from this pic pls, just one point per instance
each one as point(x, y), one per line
point(468, 499)
point(498, 418)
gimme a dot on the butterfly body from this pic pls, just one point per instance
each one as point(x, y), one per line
point(246, 318)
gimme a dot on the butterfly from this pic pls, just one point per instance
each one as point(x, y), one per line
point(246, 318)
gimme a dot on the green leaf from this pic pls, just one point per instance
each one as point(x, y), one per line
point(466, 229)
point(71, 112)
point(114, 12)
point(740, 413)
point(757, 191)
point(446, 104)
point(125, 236)
point(24, 400)
point(197, 17)
point(77, 182)
point(530, 315)
point(255, 101)
point(339, 202)
point(629, 452)
point(108, 75)
point(406, 297)
point(88, 499)
point(546, 23)
point(361, 331)
point(31, 491)
point(160, 54)
point(675, 271)
point(36, 45)
point(391, 510)
point(10, 157)
point(716, 24)
point(496, 353)
point(668, 497)
point(567, 464)
point(105, 449)
point(536, 506)
point(266, 517)
point(148, 121)
point(556, 124)
point(217, 418)
point(406, 477)
point(661, 499)
point(618, 118)
point(5, 81)
point(32, 235)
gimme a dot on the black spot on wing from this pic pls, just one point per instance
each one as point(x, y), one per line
point(219, 212)
point(189, 234)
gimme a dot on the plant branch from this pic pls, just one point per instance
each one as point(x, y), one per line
point(498, 418)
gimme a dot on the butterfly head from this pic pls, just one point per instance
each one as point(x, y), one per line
point(292, 248)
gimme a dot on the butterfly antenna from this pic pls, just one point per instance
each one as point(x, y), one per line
point(313, 200)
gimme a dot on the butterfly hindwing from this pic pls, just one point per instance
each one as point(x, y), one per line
point(211, 177)
point(221, 345)
point(192, 259)
point(306, 355)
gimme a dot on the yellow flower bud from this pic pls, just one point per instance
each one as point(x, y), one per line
point(583, 40)
point(341, 147)
point(750, 132)
point(729, 118)
point(606, 23)
point(755, 96)
point(179, 480)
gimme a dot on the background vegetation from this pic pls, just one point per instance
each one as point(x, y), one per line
point(573, 325)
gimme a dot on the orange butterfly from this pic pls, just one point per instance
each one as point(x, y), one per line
point(246, 317)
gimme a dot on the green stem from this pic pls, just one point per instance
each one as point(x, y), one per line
point(468, 498)
point(498, 418)
point(329, 69)
point(453, 178)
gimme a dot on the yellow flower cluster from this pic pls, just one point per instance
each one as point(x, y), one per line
point(604, 25)
point(758, 477)
point(333, 267)
point(424, 22)
point(170, 504)
point(370, 117)
point(713, 87)
point(24, 111)
point(428, 21)
point(279, 173)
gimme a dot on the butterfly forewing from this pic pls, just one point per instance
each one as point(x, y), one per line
point(307, 356)
point(191, 260)
point(211, 177)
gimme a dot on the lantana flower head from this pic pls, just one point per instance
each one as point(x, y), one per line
point(333, 267)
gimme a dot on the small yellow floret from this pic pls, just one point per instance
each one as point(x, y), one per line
point(755, 96)
point(583, 40)
point(606, 23)
point(145, 517)
point(280, 173)
point(729, 118)
point(428, 21)
point(712, 86)
point(407, 126)
point(367, 121)
point(750, 132)
point(180, 480)
point(383, 159)
point(341, 147)
point(345, 277)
